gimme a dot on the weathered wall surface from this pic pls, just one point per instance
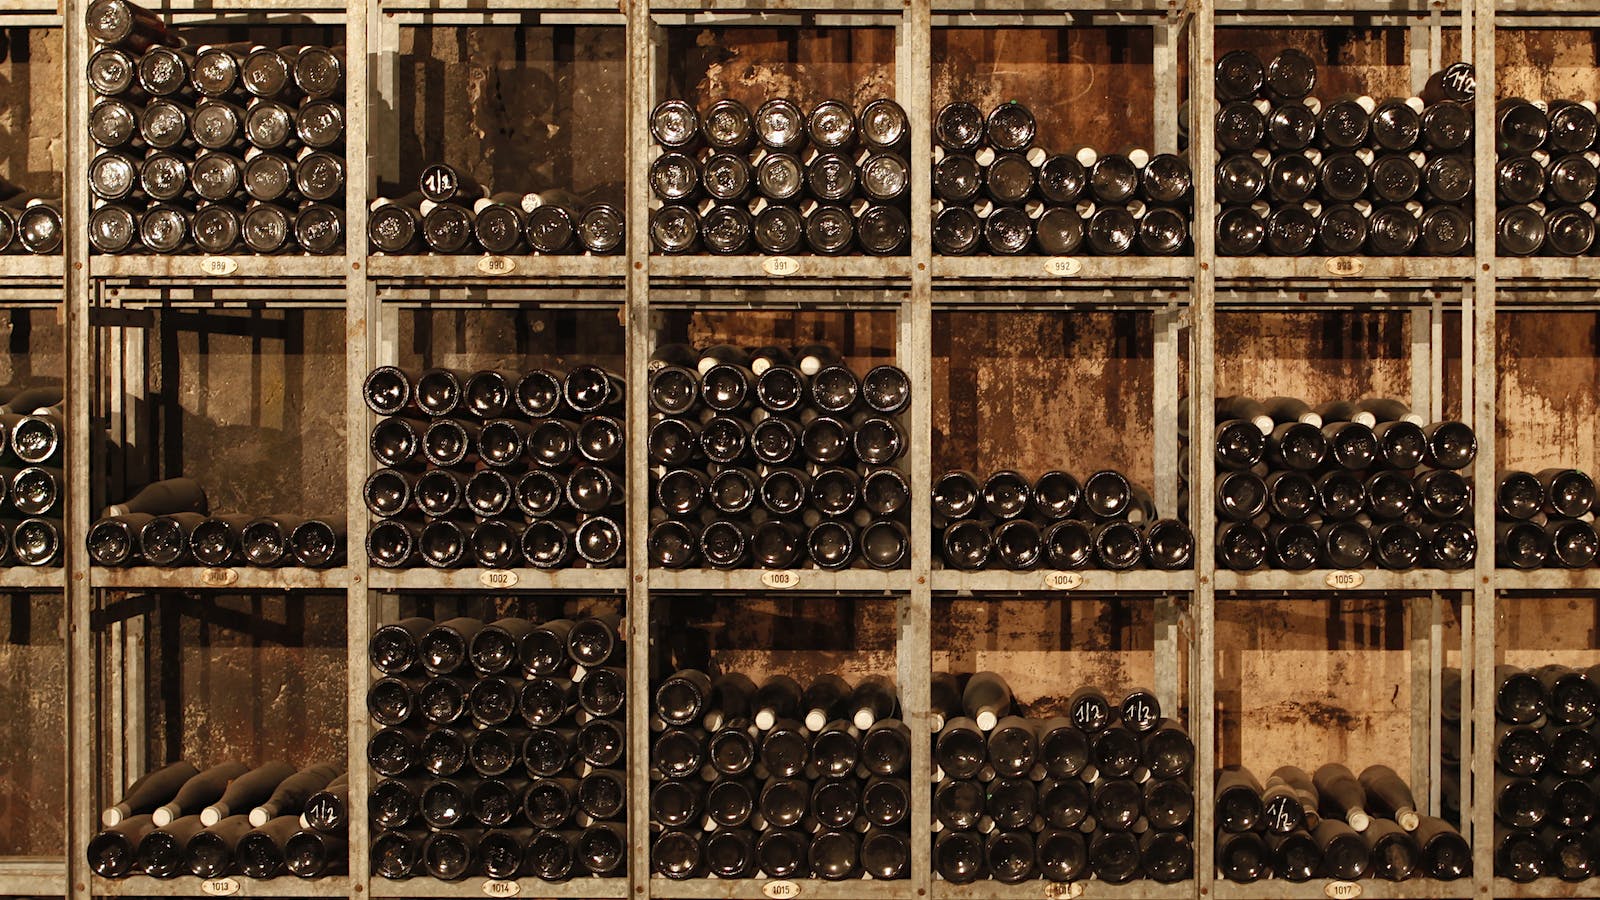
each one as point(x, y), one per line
point(1041, 391)
point(250, 404)
point(33, 683)
point(805, 65)
point(522, 109)
point(32, 151)
point(248, 678)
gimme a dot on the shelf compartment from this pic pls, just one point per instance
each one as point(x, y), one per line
point(527, 268)
point(1315, 580)
point(1547, 268)
point(191, 267)
point(751, 889)
point(1371, 889)
point(42, 875)
point(32, 268)
point(1547, 580)
point(1033, 270)
point(574, 580)
point(1546, 887)
point(858, 270)
point(189, 886)
point(1093, 581)
point(491, 7)
point(586, 888)
point(855, 581)
point(241, 578)
point(32, 578)
point(1142, 889)
point(1409, 270)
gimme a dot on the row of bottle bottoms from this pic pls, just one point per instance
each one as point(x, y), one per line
point(780, 180)
point(32, 483)
point(775, 456)
point(744, 783)
point(488, 394)
point(1354, 175)
point(1331, 824)
point(542, 444)
point(1545, 804)
point(169, 523)
point(599, 850)
point(226, 819)
point(450, 212)
point(1545, 177)
point(29, 223)
point(996, 191)
point(1545, 518)
point(1356, 435)
point(1274, 102)
point(1009, 521)
point(462, 703)
point(213, 146)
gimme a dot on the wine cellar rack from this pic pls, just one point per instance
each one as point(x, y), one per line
point(100, 298)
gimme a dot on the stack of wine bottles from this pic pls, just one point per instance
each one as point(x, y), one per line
point(781, 180)
point(1544, 520)
point(789, 782)
point(995, 190)
point(1547, 763)
point(214, 146)
point(1298, 176)
point(32, 486)
point(509, 726)
point(1545, 177)
point(1104, 790)
point(168, 523)
point(452, 213)
point(29, 223)
point(495, 470)
point(1343, 486)
point(1007, 522)
point(228, 819)
point(773, 457)
point(1331, 825)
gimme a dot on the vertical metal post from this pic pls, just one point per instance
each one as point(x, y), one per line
point(80, 711)
point(1164, 64)
point(1478, 317)
point(637, 325)
point(361, 17)
point(1165, 324)
point(916, 623)
point(1202, 390)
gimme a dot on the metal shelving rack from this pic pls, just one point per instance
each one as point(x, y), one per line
point(1184, 294)
point(33, 283)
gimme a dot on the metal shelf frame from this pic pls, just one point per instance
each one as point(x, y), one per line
point(90, 292)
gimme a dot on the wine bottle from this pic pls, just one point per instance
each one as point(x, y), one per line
point(198, 792)
point(1238, 807)
point(961, 749)
point(311, 854)
point(113, 852)
point(958, 856)
point(148, 792)
point(1013, 746)
point(211, 853)
point(986, 699)
point(260, 852)
point(1341, 796)
point(325, 810)
point(160, 853)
